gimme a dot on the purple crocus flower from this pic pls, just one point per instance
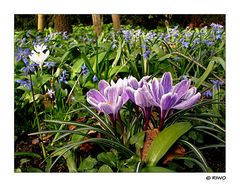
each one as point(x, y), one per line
point(109, 99)
point(169, 97)
point(139, 94)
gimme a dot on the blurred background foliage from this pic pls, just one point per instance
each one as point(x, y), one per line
point(29, 21)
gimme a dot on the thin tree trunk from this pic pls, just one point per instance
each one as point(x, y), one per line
point(62, 23)
point(116, 22)
point(97, 23)
point(40, 22)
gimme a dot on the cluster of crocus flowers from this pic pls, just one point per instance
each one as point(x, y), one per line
point(146, 94)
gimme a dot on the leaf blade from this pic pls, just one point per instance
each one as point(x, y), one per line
point(165, 139)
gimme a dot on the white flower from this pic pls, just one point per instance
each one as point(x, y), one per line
point(39, 56)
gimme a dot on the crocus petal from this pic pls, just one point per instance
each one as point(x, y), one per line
point(154, 86)
point(143, 98)
point(188, 103)
point(143, 81)
point(133, 83)
point(181, 88)
point(166, 82)
point(130, 92)
point(192, 91)
point(124, 97)
point(102, 85)
point(168, 100)
point(105, 108)
point(111, 93)
point(96, 95)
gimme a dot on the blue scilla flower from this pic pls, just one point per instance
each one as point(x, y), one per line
point(138, 33)
point(216, 27)
point(22, 53)
point(184, 43)
point(150, 36)
point(49, 64)
point(208, 43)
point(146, 54)
point(46, 39)
point(216, 84)
point(127, 35)
point(196, 41)
point(28, 67)
point(208, 93)
point(84, 69)
point(26, 83)
point(95, 78)
point(146, 51)
point(63, 77)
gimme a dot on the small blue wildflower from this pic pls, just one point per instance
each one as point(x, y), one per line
point(138, 33)
point(167, 37)
point(146, 54)
point(63, 77)
point(188, 34)
point(184, 43)
point(23, 41)
point(150, 36)
point(26, 83)
point(127, 35)
point(22, 53)
point(28, 67)
point(51, 93)
point(114, 45)
point(203, 31)
point(208, 93)
point(95, 78)
point(175, 32)
point(196, 41)
point(216, 84)
point(216, 27)
point(208, 42)
point(46, 39)
point(64, 35)
point(84, 69)
point(49, 64)
point(146, 51)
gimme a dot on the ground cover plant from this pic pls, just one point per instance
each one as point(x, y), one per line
point(128, 101)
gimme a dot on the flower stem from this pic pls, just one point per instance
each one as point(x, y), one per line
point(37, 118)
point(122, 127)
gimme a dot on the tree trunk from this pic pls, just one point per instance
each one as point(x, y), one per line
point(97, 23)
point(62, 23)
point(116, 22)
point(40, 22)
